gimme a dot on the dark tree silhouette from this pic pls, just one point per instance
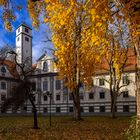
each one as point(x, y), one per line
point(23, 90)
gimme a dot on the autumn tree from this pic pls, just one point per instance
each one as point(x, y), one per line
point(23, 91)
point(76, 31)
point(79, 30)
point(115, 58)
point(114, 62)
point(131, 11)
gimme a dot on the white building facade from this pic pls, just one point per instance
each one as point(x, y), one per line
point(93, 101)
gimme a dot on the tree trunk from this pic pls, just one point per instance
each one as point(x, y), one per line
point(34, 111)
point(76, 103)
point(35, 119)
point(113, 107)
point(113, 103)
point(77, 113)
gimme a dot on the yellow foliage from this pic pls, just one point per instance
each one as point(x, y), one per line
point(77, 31)
point(3, 2)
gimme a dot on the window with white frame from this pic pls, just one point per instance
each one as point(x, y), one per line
point(58, 85)
point(125, 94)
point(58, 109)
point(125, 80)
point(3, 97)
point(45, 97)
point(45, 85)
point(26, 30)
point(45, 109)
point(27, 39)
point(102, 108)
point(18, 30)
point(58, 97)
point(102, 95)
point(70, 109)
point(91, 108)
point(91, 95)
point(101, 82)
point(125, 108)
point(45, 66)
point(3, 85)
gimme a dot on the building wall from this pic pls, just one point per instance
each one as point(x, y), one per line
point(61, 98)
point(45, 80)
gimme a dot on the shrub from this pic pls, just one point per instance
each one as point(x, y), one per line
point(132, 133)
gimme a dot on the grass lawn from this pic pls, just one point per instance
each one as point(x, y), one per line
point(63, 128)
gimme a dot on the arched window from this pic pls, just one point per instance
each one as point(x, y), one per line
point(3, 69)
point(45, 66)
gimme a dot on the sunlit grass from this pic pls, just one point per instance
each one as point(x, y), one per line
point(63, 128)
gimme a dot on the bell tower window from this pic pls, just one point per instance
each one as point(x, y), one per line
point(18, 30)
point(26, 30)
point(45, 66)
point(27, 39)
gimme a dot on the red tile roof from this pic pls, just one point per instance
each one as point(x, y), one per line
point(130, 64)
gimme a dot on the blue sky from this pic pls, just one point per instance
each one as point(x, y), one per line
point(38, 36)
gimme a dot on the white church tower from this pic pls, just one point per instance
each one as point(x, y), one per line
point(24, 44)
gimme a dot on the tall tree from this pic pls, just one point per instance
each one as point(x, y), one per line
point(77, 26)
point(23, 90)
point(114, 62)
point(115, 58)
point(131, 11)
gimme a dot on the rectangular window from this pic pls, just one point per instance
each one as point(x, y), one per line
point(45, 97)
point(115, 108)
point(3, 85)
point(102, 95)
point(3, 97)
point(102, 108)
point(81, 109)
point(45, 85)
point(18, 30)
point(125, 94)
point(45, 109)
point(14, 110)
point(58, 85)
point(26, 30)
point(125, 80)
point(27, 39)
point(70, 109)
point(91, 108)
point(91, 95)
point(101, 82)
point(126, 108)
point(25, 108)
point(58, 109)
point(58, 97)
